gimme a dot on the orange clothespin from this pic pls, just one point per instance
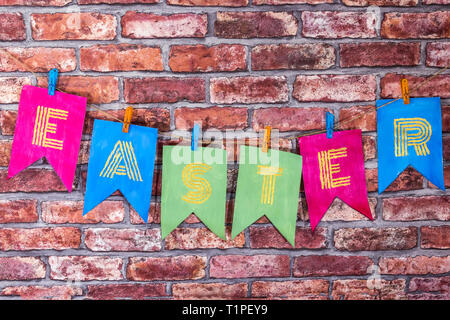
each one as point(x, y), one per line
point(127, 119)
point(266, 141)
point(405, 90)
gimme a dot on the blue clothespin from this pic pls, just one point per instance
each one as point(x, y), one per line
point(52, 78)
point(329, 119)
point(195, 134)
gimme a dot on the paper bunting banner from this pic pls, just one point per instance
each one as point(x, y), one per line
point(51, 127)
point(410, 135)
point(193, 182)
point(334, 168)
point(121, 161)
point(268, 184)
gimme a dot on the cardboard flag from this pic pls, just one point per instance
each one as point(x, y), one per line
point(334, 168)
point(193, 182)
point(268, 184)
point(410, 135)
point(51, 127)
point(121, 161)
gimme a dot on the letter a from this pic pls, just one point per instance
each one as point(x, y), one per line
point(122, 152)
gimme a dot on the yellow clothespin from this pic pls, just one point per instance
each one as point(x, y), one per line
point(266, 141)
point(405, 91)
point(127, 119)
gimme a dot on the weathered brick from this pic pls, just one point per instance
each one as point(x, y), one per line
point(437, 54)
point(18, 211)
point(211, 118)
point(201, 58)
point(338, 24)
point(340, 211)
point(414, 265)
point(317, 56)
point(117, 1)
point(166, 268)
point(361, 289)
point(5, 152)
point(126, 291)
point(358, 117)
point(164, 89)
point(31, 180)
point(335, 88)
point(435, 237)
point(201, 238)
point(11, 87)
point(21, 268)
point(409, 179)
point(420, 208)
point(326, 265)
point(246, 25)
point(369, 147)
point(362, 239)
point(240, 266)
point(446, 147)
point(413, 25)
point(440, 284)
point(316, 289)
point(83, 268)
point(439, 86)
point(107, 239)
point(445, 118)
point(120, 57)
point(250, 89)
point(12, 27)
point(139, 25)
point(435, 2)
point(379, 54)
point(37, 3)
point(206, 3)
point(73, 26)
point(269, 237)
point(42, 293)
point(289, 119)
point(7, 122)
point(380, 3)
point(209, 291)
point(284, 2)
point(154, 214)
point(39, 238)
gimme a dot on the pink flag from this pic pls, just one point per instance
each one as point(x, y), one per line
point(51, 127)
point(334, 168)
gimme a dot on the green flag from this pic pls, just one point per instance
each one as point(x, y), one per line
point(268, 184)
point(193, 182)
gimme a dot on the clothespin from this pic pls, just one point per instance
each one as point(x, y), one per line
point(127, 119)
point(52, 78)
point(266, 140)
point(195, 134)
point(405, 90)
point(329, 119)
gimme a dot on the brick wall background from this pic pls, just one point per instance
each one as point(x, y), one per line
point(234, 64)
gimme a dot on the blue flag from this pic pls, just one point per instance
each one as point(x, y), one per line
point(410, 134)
point(123, 161)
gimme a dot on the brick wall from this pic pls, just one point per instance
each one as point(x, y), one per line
point(233, 65)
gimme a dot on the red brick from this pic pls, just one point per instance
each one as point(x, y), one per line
point(269, 237)
point(441, 284)
point(207, 3)
point(335, 88)
point(439, 86)
point(380, 3)
point(212, 117)
point(379, 54)
point(201, 238)
point(154, 214)
point(289, 119)
point(72, 212)
point(139, 25)
point(18, 211)
point(437, 54)
point(428, 296)
point(293, 57)
point(82, 268)
point(73, 26)
point(284, 2)
point(39, 238)
point(233, 153)
point(8, 122)
point(21, 268)
point(12, 27)
point(369, 147)
point(319, 266)
point(37, 3)
point(166, 268)
point(435, 237)
point(420, 208)
point(240, 266)
point(435, 2)
point(209, 291)
point(126, 291)
point(107, 239)
point(42, 293)
point(358, 117)
point(116, 1)
point(31, 180)
point(338, 24)
point(417, 25)
point(246, 25)
point(201, 58)
point(249, 89)
point(361, 289)
point(339, 211)
point(445, 118)
point(5, 152)
point(316, 289)
point(11, 87)
point(446, 147)
point(414, 265)
point(121, 57)
point(371, 239)
point(164, 89)
point(409, 179)
point(103, 89)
